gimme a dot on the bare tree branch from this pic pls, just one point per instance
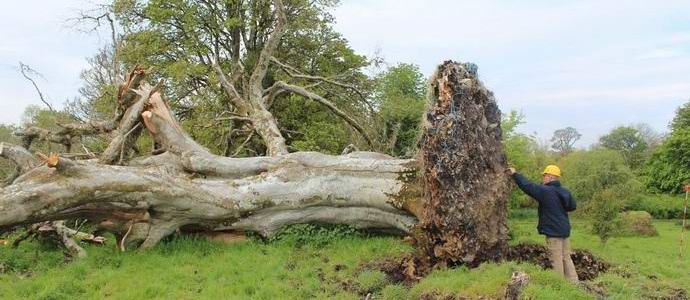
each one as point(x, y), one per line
point(294, 73)
point(235, 97)
point(270, 46)
point(26, 71)
point(305, 93)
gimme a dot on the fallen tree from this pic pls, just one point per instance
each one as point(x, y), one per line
point(452, 195)
point(186, 186)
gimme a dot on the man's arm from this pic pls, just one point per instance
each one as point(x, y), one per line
point(531, 189)
point(569, 203)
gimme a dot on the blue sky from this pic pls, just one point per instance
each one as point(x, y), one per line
point(587, 64)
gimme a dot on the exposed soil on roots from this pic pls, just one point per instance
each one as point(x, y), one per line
point(464, 212)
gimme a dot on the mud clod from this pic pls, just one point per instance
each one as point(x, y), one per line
point(587, 265)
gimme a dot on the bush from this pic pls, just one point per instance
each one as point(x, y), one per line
point(586, 173)
point(636, 223)
point(660, 206)
point(605, 206)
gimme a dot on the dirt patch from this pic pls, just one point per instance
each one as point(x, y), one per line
point(587, 265)
point(663, 292)
point(437, 296)
point(393, 268)
point(403, 269)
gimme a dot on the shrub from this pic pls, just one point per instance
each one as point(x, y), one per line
point(636, 223)
point(586, 173)
point(660, 206)
point(605, 206)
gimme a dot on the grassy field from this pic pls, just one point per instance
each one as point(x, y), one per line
point(326, 264)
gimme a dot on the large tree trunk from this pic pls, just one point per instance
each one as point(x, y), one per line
point(461, 200)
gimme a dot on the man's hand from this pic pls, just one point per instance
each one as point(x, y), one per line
point(511, 171)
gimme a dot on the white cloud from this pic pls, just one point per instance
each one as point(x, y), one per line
point(661, 53)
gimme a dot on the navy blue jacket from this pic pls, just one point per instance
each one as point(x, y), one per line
point(554, 204)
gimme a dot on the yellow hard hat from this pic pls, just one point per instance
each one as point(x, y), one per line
point(553, 170)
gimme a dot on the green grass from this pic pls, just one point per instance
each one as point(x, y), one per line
point(642, 264)
point(326, 264)
point(188, 268)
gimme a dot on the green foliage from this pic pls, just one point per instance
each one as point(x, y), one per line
point(669, 167)
point(604, 208)
point(399, 95)
point(300, 235)
point(322, 137)
point(180, 38)
point(587, 173)
point(523, 214)
point(682, 119)
point(629, 142)
point(524, 154)
point(660, 206)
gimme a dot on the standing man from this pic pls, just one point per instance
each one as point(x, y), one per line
point(554, 204)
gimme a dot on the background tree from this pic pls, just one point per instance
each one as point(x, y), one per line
point(649, 135)
point(399, 94)
point(7, 169)
point(564, 139)
point(669, 166)
point(588, 173)
point(524, 153)
point(629, 142)
point(185, 40)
